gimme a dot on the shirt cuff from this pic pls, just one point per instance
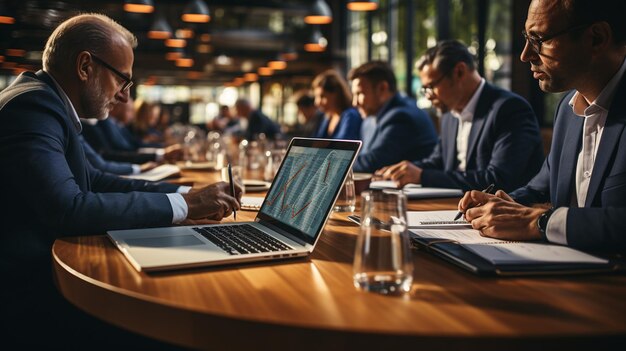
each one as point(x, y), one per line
point(136, 169)
point(179, 207)
point(183, 189)
point(556, 231)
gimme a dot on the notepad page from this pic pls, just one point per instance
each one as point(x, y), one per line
point(158, 173)
point(251, 203)
point(461, 236)
point(435, 219)
point(531, 253)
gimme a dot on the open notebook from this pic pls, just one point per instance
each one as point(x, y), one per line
point(416, 191)
point(158, 173)
point(465, 247)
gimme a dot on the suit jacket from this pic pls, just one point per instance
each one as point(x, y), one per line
point(349, 126)
point(403, 132)
point(504, 146)
point(113, 146)
point(105, 166)
point(600, 224)
point(259, 123)
point(49, 190)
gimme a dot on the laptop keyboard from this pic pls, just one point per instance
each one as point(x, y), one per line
point(241, 239)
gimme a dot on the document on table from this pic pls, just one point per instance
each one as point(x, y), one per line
point(435, 219)
point(158, 173)
point(251, 203)
point(416, 191)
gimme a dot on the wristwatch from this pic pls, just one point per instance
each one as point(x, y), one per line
point(542, 223)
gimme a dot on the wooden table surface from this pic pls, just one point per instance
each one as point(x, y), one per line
point(312, 303)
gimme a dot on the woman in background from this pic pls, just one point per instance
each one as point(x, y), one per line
point(332, 96)
point(144, 126)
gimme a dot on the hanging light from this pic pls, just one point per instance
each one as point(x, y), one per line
point(185, 33)
point(265, 71)
point(175, 43)
point(362, 5)
point(139, 6)
point(289, 53)
point(15, 52)
point(317, 43)
point(184, 62)
point(160, 28)
point(277, 64)
point(196, 12)
point(250, 77)
point(320, 13)
point(174, 54)
point(5, 16)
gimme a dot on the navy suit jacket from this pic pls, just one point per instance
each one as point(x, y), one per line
point(349, 126)
point(259, 123)
point(111, 147)
point(403, 132)
point(105, 166)
point(504, 146)
point(600, 224)
point(49, 190)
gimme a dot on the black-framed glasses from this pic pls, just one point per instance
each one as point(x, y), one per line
point(429, 90)
point(127, 80)
point(535, 43)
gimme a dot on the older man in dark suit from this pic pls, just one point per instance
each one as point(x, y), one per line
point(488, 135)
point(49, 190)
point(578, 45)
point(401, 130)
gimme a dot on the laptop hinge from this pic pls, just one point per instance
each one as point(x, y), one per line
point(282, 232)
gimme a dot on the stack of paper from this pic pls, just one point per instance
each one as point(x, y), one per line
point(416, 191)
point(158, 173)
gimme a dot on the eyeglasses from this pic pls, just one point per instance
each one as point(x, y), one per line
point(428, 90)
point(127, 80)
point(535, 43)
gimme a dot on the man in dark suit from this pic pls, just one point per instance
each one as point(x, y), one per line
point(121, 168)
point(258, 123)
point(49, 190)
point(578, 45)
point(488, 135)
point(402, 130)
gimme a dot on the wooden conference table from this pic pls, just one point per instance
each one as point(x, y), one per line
point(312, 303)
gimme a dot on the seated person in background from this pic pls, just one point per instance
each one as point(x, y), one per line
point(223, 120)
point(144, 125)
point(312, 116)
point(120, 168)
point(258, 123)
point(332, 96)
point(488, 135)
point(51, 191)
point(584, 175)
point(402, 131)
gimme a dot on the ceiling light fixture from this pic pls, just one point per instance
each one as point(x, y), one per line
point(250, 77)
point(362, 5)
point(5, 16)
point(160, 28)
point(184, 62)
point(175, 43)
point(139, 6)
point(317, 42)
point(320, 13)
point(15, 52)
point(196, 12)
point(265, 71)
point(289, 53)
point(277, 64)
point(173, 55)
point(185, 33)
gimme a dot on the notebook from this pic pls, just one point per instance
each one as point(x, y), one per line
point(158, 173)
point(416, 191)
point(288, 224)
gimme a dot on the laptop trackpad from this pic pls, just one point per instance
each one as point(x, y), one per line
point(165, 241)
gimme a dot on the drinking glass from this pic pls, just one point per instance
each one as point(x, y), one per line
point(346, 202)
point(382, 258)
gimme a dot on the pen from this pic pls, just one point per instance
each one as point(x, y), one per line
point(232, 187)
point(487, 190)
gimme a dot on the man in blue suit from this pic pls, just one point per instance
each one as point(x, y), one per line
point(48, 188)
point(488, 135)
point(401, 132)
point(578, 45)
point(258, 122)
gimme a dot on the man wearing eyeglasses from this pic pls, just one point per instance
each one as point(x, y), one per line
point(49, 189)
point(488, 135)
point(577, 45)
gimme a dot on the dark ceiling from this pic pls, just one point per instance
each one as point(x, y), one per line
point(243, 34)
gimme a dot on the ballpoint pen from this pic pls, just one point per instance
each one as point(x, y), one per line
point(488, 190)
point(232, 187)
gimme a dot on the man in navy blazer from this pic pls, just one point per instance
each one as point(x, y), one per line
point(48, 188)
point(577, 45)
point(402, 131)
point(488, 135)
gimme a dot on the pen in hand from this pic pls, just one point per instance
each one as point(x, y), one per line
point(488, 190)
point(232, 187)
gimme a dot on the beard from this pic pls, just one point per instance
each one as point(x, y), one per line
point(95, 103)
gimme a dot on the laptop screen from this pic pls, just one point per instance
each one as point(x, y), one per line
point(306, 185)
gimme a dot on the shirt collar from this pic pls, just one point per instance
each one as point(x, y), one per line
point(467, 115)
point(581, 107)
point(68, 105)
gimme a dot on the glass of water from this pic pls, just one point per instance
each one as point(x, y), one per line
point(382, 258)
point(346, 202)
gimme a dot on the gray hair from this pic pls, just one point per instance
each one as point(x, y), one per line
point(86, 32)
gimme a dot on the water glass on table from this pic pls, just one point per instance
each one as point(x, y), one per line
point(382, 258)
point(346, 202)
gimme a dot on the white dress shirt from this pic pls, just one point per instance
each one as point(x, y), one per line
point(595, 114)
point(179, 206)
point(466, 117)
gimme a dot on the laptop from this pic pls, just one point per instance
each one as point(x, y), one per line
point(288, 224)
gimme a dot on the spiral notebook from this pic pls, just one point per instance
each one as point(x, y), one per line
point(466, 248)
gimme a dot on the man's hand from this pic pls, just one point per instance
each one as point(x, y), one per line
point(401, 173)
point(144, 167)
point(212, 202)
point(498, 216)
